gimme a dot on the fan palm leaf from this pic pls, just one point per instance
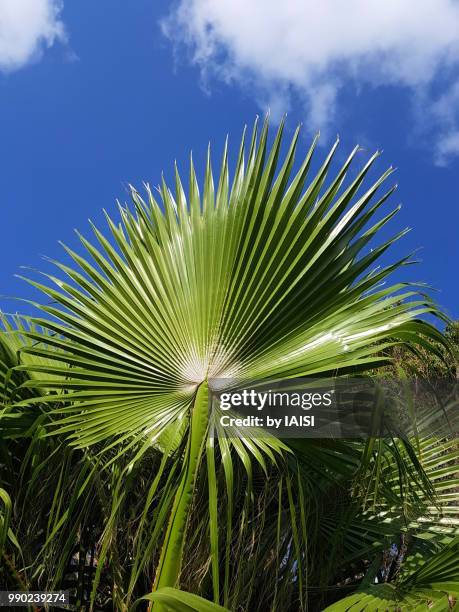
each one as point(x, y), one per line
point(269, 275)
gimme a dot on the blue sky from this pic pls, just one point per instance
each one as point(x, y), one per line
point(96, 95)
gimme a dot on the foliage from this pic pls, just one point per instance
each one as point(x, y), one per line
point(125, 481)
point(433, 583)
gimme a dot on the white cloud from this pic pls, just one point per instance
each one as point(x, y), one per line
point(26, 28)
point(447, 147)
point(313, 48)
point(444, 113)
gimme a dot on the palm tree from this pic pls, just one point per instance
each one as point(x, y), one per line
point(266, 276)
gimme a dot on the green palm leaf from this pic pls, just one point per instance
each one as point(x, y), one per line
point(180, 601)
point(263, 279)
point(264, 276)
point(433, 585)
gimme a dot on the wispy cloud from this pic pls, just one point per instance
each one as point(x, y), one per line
point(313, 49)
point(447, 147)
point(27, 27)
point(444, 112)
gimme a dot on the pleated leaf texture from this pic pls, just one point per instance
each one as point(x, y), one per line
point(267, 275)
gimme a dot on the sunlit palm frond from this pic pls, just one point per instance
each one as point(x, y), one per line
point(272, 274)
point(263, 278)
point(433, 584)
